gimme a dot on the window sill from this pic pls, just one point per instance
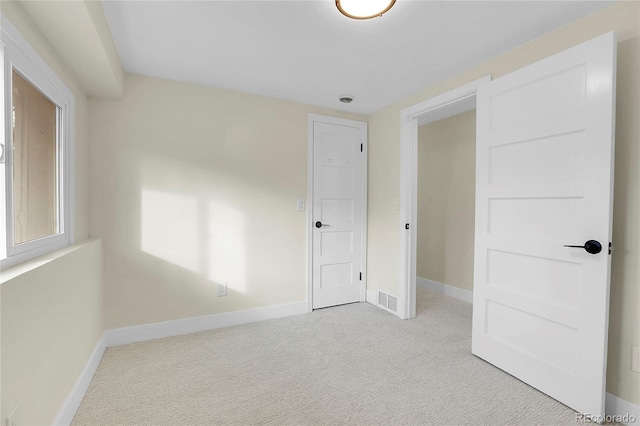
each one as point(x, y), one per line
point(29, 265)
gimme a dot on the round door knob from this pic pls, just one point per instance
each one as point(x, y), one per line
point(318, 224)
point(591, 246)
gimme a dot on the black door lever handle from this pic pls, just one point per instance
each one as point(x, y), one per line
point(591, 246)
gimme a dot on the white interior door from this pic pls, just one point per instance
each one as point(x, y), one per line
point(338, 211)
point(545, 181)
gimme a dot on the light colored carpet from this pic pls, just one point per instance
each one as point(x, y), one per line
point(352, 364)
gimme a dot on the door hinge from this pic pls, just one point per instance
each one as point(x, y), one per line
point(610, 248)
point(360, 276)
point(361, 147)
point(406, 226)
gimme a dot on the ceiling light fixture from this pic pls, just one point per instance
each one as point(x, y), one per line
point(364, 9)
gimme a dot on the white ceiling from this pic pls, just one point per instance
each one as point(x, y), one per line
point(307, 52)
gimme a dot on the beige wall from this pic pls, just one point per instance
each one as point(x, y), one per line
point(51, 316)
point(51, 323)
point(384, 182)
point(383, 217)
point(195, 186)
point(446, 200)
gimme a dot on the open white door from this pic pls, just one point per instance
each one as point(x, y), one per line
point(339, 210)
point(545, 181)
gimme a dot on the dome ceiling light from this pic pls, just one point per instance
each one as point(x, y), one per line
point(364, 9)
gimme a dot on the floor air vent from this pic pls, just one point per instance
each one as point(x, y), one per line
point(387, 302)
point(392, 303)
point(382, 299)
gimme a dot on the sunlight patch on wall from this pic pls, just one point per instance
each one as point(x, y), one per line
point(170, 227)
point(226, 246)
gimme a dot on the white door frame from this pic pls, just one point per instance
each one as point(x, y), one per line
point(311, 118)
point(442, 106)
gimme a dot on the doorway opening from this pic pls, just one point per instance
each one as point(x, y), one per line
point(446, 206)
point(449, 104)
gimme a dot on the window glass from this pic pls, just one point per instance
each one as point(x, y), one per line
point(35, 162)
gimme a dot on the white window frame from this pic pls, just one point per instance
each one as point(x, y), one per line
point(16, 53)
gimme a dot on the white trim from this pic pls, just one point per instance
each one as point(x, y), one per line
point(616, 406)
point(364, 227)
point(70, 172)
point(32, 62)
point(18, 54)
point(123, 336)
point(72, 403)
point(158, 330)
point(409, 118)
point(372, 297)
point(447, 290)
point(311, 118)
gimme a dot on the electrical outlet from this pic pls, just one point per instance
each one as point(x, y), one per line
point(635, 359)
point(12, 418)
point(222, 290)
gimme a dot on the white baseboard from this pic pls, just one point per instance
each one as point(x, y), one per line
point(122, 336)
point(621, 411)
point(447, 290)
point(372, 297)
point(70, 406)
point(158, 330)
point(625, 412)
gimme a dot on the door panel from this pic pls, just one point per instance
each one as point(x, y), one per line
point(337, 210)
point(336, 242)
point(338, 194)
point(543, 181)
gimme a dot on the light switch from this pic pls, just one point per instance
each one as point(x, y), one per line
point(300, 204)
point(222, 290)
point(396, 203)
